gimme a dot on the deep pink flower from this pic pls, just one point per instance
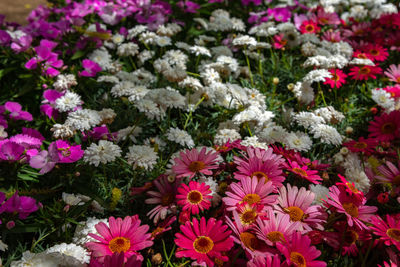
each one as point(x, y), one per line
point(91, 68)
point(204, 241)
point(47, 59)
point(19, 204)
point(376, 52)
point(16, 112)
point(389, 173)
point(194, 197)
point(299, 252)
point(188, 6)
point(303, 172)
point(350, 189)
point(192, 162)
point(67, 153)
point(385, 127)
point(126, 236)
point(45, 161)
point(364, 72)
point(10, 151)
point(337, 80)
point(26, 141)
point(117, 260)
point(261, 261)
point(388, 231)
point(366, 146)
point(309, 26)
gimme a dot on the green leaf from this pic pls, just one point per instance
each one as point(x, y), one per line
point(27, 177)
point(78, 54)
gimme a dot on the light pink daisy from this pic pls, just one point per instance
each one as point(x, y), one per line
point(354, 210)
point(391, 174)
point(260, 163)
point(246, 238)
point(164, 197)
point(297, 203)
point(393, 73)
point(277, 228)
point(299, 252)
point(126, 236)
point(194, 197)
point(261, 261)
point(192, 162)
point(388, 231)
point(251, 191)
point(204, 241)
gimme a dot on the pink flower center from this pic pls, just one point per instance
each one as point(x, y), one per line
point(196, 166)
point(297, 259)
point(351, 209)
point(251, 199)
point(249, 240)
point(194, 197)
point(393, 233)
point(350, 237)
point(167, 199)
point(296, 214)
point(203, 244)
point(360, 145)
point(119, 244)
point(388, 128)
point(275, 236)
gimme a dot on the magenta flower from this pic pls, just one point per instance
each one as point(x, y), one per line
point(16, 112)
point(26, 141)
point(20, 204)
point(279, 13)
point(194, 197)
point(10, 151)
point(49, 60)
point(117, 259)
point(91, 68)
point(188, 6)
point(50, 97)
point(66, 153)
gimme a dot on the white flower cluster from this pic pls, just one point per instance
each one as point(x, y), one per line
point(103, 152)
point(142, 156)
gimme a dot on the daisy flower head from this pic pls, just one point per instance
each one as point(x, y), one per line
point(262, 261)
point(337, 80)
point(204, 241)
point(389, 174)
point(164, 198)
point(388, 231)
point(248, 213)
point(309, 26)
point(355, 211)
point(192, 162)
point(194, 197)
point(297, 204)
point(364, 72)
point(122, 235)
point(276, 228)
point(376, 52)
point(385, 127)
point(350, 189)
point(303, 172)
point(251, 191)
point(366, 146)
point(299, 252)
point(393, 73)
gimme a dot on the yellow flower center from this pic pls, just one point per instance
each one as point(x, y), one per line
point(275, 236)
point(298, 259)
point(364, 70)
point(119, 244)
point(248, 217)
point(203, 244)
point(300, 172)
point(249, 240)
point(360, 145)
point(310, 28)
point(260, 175)
point(350, 237)
point(251, 199)
point(194, 197)
point(296, 214)
point(393, 233)
point(351, 209)
point(196, 166)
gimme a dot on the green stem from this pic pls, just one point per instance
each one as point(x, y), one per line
point(248, 66)
point(191, 111)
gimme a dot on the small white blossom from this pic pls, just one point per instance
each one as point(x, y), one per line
point(180, 136)
point(142, 156)
point(103, 152)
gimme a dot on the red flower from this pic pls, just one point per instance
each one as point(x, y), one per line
point(385, 127)
point(366, 146)
point(364, 72)
point(337, 80)
point(376, 52)
point(309, 26)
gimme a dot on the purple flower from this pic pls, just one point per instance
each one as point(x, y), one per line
point(67, 153)
point(10, 151)
point(188, 6)
point(16, 111)
point(280, 13)
point(5, 38)
point(255, 2)
point(91, 68)
point(20, 204)
point(48, 59)
point(101, 132)
point(33, 132)
point(26, 141)
point(21, 44)
point(44, 161)
point(47, 108)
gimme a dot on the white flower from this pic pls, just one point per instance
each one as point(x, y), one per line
point(210, 76)
point(71, 199)
point(199, 50)
point(63, 131)
point(229, 61)
point(383, 99)
point(320, 192)
point(272, 133)
point(3, 133)
point(37, 260)
point(128, 49)
point(135, 31)
point(362, 61)
point(244, 40)
point(83, 119)
point(84, 228)
point(131, 131)
point(137, 93)
point(307, 119)
point(253, 141)
point(317, 76)
point(117, 38)
point(142, 156)
point(163, 41)
point(103, 152)
point(304, 92)
point(327, 134)
point(108, 79)
point(298, 141)
point(155, 141)
point(101, 57)
point(180, 136)
point(150, 109)
point(359, 178)
point(225, 135)
point(329, 114)
point(3, 246)
point(70, 254)
point(192, 83)
point(68, 102)
point(216, 198)
point(64, 82)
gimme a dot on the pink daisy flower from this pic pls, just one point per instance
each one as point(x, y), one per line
point(246, 238)
point(164, 197)
point(388, 231)
point(251, 191)
point(355, 211)
point(277, 228)
point(391, 174)
point(300, 253)
point(376, 52)
point(248, 213)
point(303, 172)
point(393, 73)
point(126, 236)
point(309, 26)
point(362, 145)
point(297, 204)
point(204, 241)
point(163, 227)
point(364, 72)
point(194, 197)
point(385, 127)
point(261, 261)
point(337, 80)
point(350, 189)
point(279, 41)
point(192, 162)
point(117, 259)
